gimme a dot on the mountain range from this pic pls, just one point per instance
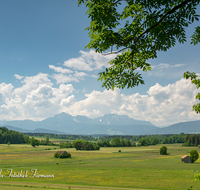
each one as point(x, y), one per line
point(109, 124)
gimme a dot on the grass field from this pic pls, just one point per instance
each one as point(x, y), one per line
point(132, 168)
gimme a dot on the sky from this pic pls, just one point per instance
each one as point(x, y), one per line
point(45, 69)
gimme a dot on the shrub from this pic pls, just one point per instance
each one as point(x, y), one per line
point(197, 176)
point(119, 150)
point(194, 155)
point(66, 155)
point(163, 150)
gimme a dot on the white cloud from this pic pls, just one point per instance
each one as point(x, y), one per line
point(60, 78)
point(79, 74)
point(18, 76)
point(166, 65)
point(164, 70)
point(36, 99)
point(5, 93)
point(178, 65)
point(67, 101)
point(96, 104)
point(60, 69)
point(89, 61)
point(94, 76)
point(162, 106)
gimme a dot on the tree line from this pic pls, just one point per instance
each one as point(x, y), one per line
point(61, 136)
point(80, 144)
point(141, 140)
point(85, 143)
point(192, 140)
point(12, 137)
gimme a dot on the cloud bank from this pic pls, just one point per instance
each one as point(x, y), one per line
point(37, 99)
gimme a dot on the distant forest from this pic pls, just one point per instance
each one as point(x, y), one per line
point(15, 137)
point(60, 136)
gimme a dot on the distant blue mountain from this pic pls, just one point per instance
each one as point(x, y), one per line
point(107, 124)
point(111, 124)
point(183, 127)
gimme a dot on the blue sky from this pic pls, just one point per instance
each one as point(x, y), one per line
point(45, 69)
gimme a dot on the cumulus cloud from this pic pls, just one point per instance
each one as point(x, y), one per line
point(60, 69)
point(79, 74)
point(36, 99)
point(162, 106)
point(94, 76)
point(89, 61)
point(60, 78)
point(18, 76)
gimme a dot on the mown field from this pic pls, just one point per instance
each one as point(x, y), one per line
point(132, 168)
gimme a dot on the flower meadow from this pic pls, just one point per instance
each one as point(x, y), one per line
point(133, 167)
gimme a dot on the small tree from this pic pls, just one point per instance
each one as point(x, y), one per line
point(8, 143)
point(34, 142)
point(47, 140)
point(163, 150)
point(194, 155)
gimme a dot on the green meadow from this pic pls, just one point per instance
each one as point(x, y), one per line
point(132, 168)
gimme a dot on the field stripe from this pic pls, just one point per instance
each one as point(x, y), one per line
point(8, 185)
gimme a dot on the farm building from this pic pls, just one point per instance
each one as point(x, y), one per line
point(186, 159)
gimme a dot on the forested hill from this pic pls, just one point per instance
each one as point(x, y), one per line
point(13, 137)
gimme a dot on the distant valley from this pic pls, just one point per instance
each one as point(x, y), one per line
point(109, 124)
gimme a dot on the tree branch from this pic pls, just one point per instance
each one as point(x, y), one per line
point(163, 17)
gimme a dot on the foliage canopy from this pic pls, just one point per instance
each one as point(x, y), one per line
point(194, 155)
point(163, 150)
point(195, 80)
point(135, 30)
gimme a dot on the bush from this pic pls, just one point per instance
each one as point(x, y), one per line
point(163, 150)
point(66, 155)
point(197, 176)
point(194, 155)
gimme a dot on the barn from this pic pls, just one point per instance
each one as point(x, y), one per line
point(186, 159)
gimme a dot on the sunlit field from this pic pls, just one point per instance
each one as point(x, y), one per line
point(132, 168)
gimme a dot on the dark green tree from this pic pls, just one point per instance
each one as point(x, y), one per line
point(47, 140)
point(116, 142)
point(143, 141)
point(194, 155)
point(34, 142)
point(163, 150)
point(136, 34)
point(154, 141)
